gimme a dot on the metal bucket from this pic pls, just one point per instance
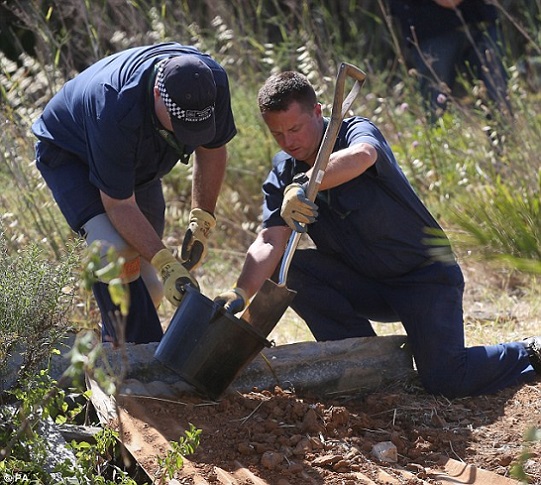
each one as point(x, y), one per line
point(207, 346)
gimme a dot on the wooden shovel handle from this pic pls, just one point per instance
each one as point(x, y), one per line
point(339, 109)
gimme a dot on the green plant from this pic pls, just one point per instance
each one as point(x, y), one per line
point(25, 451)
point(504, 224)
point(186, 445)
point(517, 470)
point(35, 296)
point(100, 460)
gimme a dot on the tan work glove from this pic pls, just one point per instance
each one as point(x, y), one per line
point(233, 301)
point(194, 246)
point(174, 276)
point(296, 208)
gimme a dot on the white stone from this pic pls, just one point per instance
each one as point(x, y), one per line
point(385, 451)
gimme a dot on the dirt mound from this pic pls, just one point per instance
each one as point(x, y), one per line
point(283, 438)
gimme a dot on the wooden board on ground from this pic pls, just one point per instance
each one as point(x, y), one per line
point(459, 473)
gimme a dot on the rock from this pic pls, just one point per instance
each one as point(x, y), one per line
point(302, 447)
point(245, 449)
point(294, 468)
point(327, 460)
point(271, 459)
point(57, 450)
point(342, 466)
point(311, 423)
point(385, 451)
point(339, 416)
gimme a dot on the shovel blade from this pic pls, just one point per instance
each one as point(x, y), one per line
point(268, 306)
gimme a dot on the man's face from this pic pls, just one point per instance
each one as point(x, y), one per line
point(297, 131)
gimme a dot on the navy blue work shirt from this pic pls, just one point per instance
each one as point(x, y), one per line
point(105, 116)
point(375, 222)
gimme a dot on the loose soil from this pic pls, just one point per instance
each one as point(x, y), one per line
point(287, 439)
point(284, 438)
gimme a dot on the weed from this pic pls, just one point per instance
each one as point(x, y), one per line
point(173, 459)
point(99, 460)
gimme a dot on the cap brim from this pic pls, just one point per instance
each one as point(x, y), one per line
point(186, 135)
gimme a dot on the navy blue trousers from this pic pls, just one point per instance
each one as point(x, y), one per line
point(337, 302)
point(142, 324)
point(440, 58)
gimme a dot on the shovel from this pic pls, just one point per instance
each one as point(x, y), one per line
point(272, 299)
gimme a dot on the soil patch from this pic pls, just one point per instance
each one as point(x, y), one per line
point(284, 438)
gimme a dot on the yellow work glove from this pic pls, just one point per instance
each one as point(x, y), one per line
point(174, 276)
point(296, 208)
point(233, 300)
point(194, 246)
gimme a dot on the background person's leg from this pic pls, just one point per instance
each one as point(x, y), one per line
point(80, 203)
point(436, 60)
point(137, 330)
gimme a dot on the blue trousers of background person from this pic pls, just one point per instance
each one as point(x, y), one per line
point(336, 302)
point(478, 51)
point(136, 330)
point(68, 179)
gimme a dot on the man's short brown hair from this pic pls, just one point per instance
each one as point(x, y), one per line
point(280, 90)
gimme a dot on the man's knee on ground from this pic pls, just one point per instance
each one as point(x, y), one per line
point(442, 381)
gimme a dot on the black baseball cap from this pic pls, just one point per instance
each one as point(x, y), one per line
point(188, 89)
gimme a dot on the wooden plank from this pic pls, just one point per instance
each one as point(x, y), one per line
point(108, 416)
point(224, 478)
point(140, 447)
point(388, 479)
point(355, 365)
point(459, 473)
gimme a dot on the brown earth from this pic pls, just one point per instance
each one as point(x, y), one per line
point(283, 438)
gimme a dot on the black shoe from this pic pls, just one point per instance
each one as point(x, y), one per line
point(533, 346)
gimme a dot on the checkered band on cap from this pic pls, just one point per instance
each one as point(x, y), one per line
point(190, 115)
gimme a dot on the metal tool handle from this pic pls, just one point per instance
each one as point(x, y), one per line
point(339, 109)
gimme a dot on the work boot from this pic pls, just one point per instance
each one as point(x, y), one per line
point(533, 346)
